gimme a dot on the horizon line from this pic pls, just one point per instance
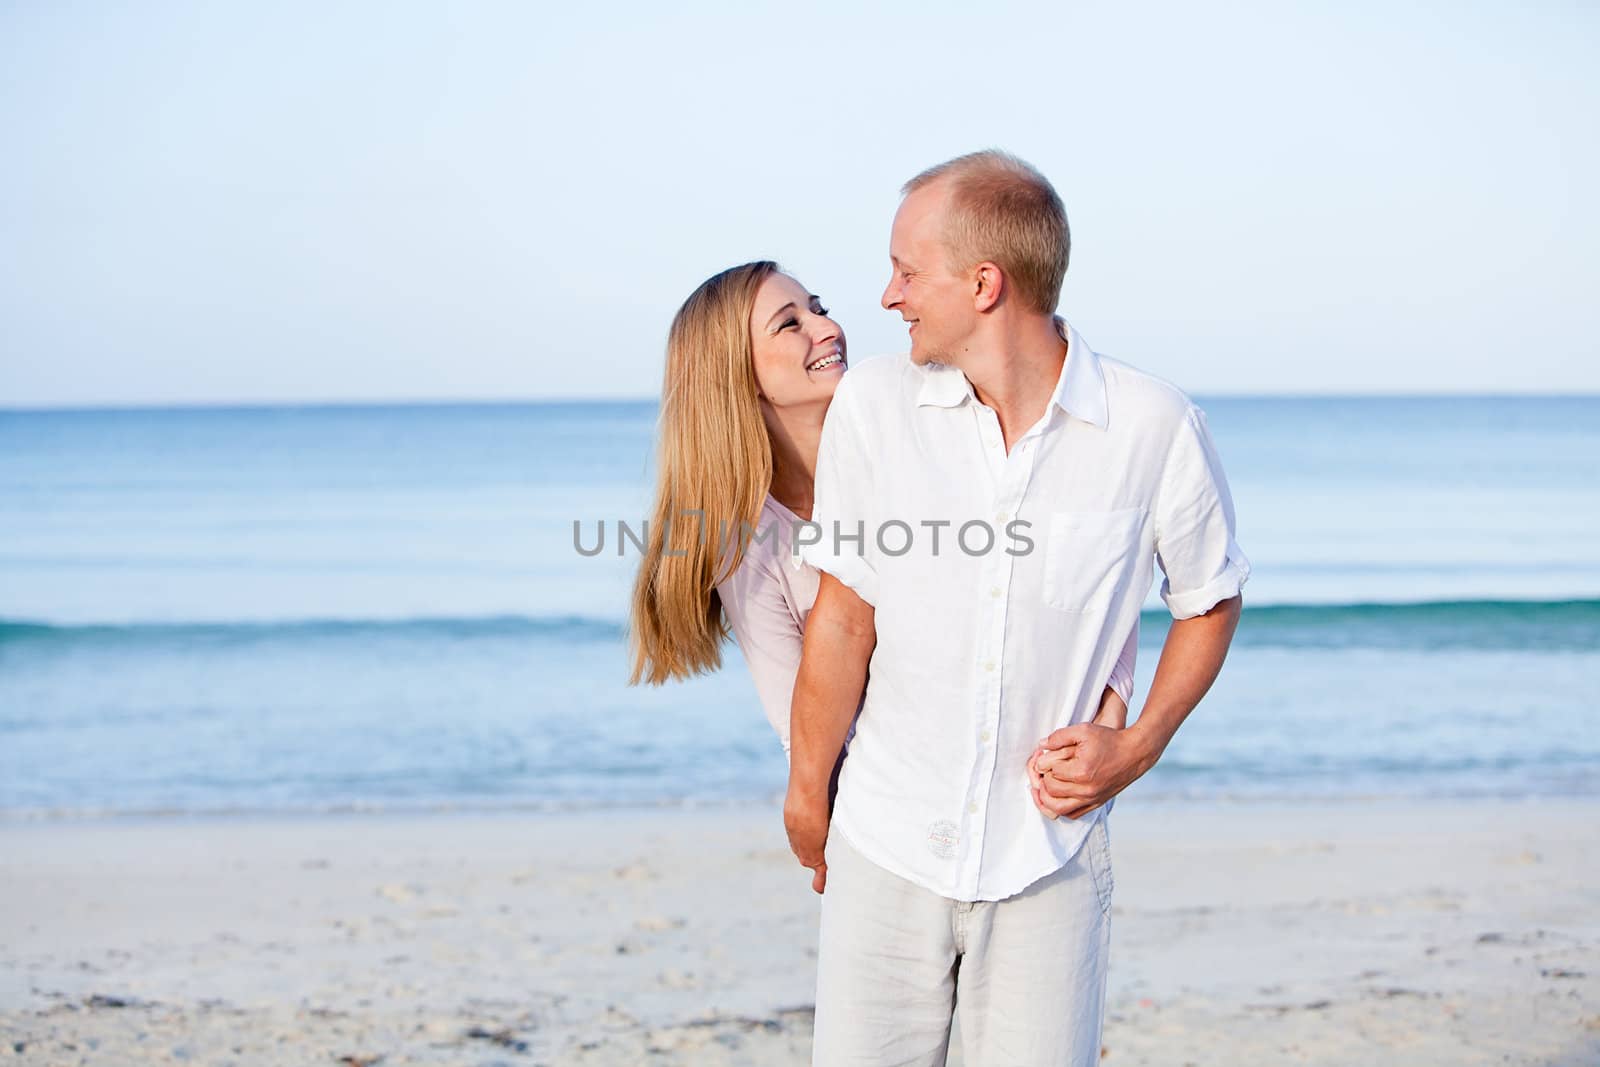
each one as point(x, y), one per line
point(551, 401)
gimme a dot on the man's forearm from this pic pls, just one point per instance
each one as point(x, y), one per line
point(826, 695)
point(833, 672)
point(1190, 660)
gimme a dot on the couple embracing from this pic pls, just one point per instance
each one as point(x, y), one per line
point(940, 564)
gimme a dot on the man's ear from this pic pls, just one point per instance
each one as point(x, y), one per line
point(988, 283)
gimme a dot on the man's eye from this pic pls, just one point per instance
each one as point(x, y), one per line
point(820, 310)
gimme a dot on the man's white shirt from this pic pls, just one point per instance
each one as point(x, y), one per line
point(1004, 587)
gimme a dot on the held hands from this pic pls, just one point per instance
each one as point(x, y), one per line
point(1075, 770)
point(1078, 768)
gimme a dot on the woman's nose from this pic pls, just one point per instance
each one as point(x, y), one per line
point(824, 331)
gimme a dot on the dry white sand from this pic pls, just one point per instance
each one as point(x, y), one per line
point(1389, 932)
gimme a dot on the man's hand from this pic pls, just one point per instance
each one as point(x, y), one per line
point(1113, 714)
point(1081, 767)
point(1078, 768)
point(806, 819)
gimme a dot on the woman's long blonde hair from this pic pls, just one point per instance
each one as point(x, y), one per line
point(714, 457)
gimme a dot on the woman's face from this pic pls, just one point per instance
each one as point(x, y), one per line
point(798, 351)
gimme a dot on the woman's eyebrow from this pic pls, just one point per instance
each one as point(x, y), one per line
point(780, 311)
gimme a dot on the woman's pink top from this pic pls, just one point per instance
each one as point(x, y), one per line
point(768, 599)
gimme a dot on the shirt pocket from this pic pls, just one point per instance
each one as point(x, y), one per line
point(1088, 556)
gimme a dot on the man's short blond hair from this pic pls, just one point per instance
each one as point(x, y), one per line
point(1004, 211)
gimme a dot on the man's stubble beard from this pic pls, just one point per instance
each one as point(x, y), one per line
point(936, 357)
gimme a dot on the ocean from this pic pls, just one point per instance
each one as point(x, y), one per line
point(380, 608)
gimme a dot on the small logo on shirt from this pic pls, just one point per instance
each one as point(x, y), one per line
point(942, 838)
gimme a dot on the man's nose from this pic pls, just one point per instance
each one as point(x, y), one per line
point(891, 295)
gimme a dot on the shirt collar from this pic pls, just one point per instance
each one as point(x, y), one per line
point(1080, 391)
point(943, 386)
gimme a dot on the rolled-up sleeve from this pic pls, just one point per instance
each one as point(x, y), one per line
point(842, 532)
point(1194, 524)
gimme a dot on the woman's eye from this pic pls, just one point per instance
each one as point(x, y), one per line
point(788, 323)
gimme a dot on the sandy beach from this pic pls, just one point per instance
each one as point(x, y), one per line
point(1393, 931)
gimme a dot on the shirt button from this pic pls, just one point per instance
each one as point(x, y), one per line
point(989, 665)
point(1002, 517)
point(972, 809)
point(984, 736)
point(995, 592)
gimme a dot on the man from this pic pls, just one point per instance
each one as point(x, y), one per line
point(991, 510)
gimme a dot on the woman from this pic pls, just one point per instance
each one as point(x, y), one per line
point(752, 363)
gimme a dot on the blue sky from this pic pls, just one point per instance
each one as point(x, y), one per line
point(310, 202)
